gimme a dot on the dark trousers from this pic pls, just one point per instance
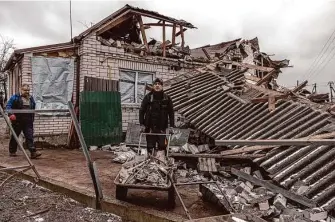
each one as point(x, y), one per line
point(152, 140)
point(28, 132)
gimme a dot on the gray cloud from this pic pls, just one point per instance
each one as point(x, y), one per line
point(284, 28)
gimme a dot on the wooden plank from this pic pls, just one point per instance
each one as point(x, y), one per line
point(216, 156)
point(266, 78)
point(182, 37)
point(278, 142)
point(206, 53)
point(214, 168)
point(164, 46)
point(263, 90)
point(204, 161)
point(181, 31)
point(256, 148)
point(201, 165)
point(118, 20)
point(158, 24)
point(272, 103)
point(266, 98)
point(290, 195)
point(174, 35)
point(252, 78)
point(144, 37)
point(300, 86)
point(250, 66)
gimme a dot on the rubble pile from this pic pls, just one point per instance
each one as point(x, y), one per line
point(144, 172)
point(247, 198)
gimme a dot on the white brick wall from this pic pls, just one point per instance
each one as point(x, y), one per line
point(51, 125)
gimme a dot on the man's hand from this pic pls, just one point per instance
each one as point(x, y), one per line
point(12, 117)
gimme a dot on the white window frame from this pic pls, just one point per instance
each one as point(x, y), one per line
point(136, 81)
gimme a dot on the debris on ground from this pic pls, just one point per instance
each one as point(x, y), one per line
point(22, 200)
point(144, 172)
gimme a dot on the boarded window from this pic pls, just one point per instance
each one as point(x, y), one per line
point(132, 85)
point(52, 80)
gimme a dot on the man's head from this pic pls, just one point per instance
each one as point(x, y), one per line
point(25, 90)
point(158, 85)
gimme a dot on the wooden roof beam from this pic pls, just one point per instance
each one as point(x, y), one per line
point(116, 21)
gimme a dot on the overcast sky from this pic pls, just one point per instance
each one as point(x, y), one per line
point(292, 29)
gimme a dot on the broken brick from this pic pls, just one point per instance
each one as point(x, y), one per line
point(264, 205)
point(280, 202)
point(315, 214)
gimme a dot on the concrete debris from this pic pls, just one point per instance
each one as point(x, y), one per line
point(123, 157)
point(147, 173)
point(315, 214)
point(194, 149)
point(280, 202)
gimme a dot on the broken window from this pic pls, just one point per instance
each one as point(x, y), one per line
point(132, 85)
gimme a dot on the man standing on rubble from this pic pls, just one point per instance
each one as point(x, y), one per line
point(155, 113)
point(22, 121)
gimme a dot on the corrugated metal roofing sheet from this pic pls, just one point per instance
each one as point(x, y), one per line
point(202, 99)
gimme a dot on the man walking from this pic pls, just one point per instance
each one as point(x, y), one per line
point(22, 121)
point(156, 113)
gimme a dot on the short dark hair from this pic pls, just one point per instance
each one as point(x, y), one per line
point(25, 85)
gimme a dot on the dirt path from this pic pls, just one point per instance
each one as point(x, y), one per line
point(23, 201)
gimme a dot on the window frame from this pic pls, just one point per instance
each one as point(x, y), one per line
point(136, 72)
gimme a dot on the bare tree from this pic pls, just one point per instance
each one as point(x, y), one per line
point(6, 49)
point(86, 25)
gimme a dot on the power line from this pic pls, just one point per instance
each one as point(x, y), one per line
point(325, 65)
point(319, 56)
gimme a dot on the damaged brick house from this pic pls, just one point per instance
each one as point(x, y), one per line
point(115, 51)
point(115, 55)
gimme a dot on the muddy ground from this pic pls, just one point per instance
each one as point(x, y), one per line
point(24, 201)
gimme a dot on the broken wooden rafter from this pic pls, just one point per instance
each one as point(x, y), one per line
point(182, 37)
point(263, 90)
point(181, 32)
point(143, 33)
point(116, 21)
point(206, 53)
point(216, 156)
point(266, 78)
point(290, 195)
point(250, 66)
point(266, 98)
point(159, 24)
point(174, 34)
point(259, 147)
point(164, 43)
point(300, 86)
point(278, 142)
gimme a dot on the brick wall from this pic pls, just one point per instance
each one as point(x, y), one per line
point(105, 62)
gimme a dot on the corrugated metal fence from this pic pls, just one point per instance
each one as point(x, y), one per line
point(101, 117)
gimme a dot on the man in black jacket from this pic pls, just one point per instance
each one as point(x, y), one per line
point(156, 113)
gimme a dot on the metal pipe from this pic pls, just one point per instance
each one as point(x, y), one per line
point(37, 111)
point(19, 143)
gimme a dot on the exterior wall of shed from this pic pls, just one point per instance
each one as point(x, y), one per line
point(105, 62)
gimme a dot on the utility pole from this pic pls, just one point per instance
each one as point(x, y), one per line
point(297, 82)
point(331, 89)
point(314, 88)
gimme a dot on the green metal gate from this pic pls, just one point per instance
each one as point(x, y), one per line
point(101, 117)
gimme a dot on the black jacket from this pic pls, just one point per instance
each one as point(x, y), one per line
point(163, 108)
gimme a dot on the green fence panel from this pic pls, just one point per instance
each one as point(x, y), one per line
point(101, 117)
